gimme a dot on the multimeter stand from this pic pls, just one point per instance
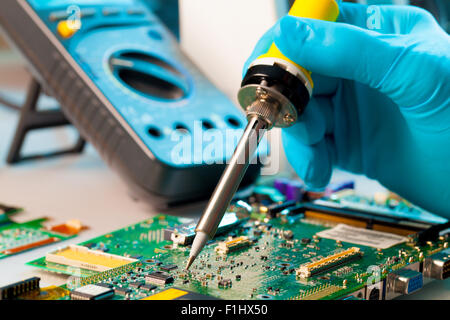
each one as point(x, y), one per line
point(32, 119)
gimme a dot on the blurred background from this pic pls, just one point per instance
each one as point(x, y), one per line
point(187, 21)
point(11, 73)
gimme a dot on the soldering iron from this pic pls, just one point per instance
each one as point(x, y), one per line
point(274, 93)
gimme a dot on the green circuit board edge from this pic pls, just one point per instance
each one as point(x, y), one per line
point(263, 270)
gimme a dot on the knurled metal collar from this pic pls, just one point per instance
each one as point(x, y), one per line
point(265, 110)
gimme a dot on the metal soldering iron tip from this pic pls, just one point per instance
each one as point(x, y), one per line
point(189, 262)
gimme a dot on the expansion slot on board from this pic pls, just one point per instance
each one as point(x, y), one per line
point(311, 268)
point(232, 245)
point(367, 220)
point(85, 258)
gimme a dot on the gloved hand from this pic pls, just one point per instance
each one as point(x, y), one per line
point(381, 104)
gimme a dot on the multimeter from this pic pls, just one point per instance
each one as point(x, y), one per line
point(122, 80)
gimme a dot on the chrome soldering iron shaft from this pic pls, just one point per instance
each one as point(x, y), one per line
point(260, 115)
point(232, 176)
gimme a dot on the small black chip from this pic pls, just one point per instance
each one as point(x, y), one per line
point(135, 285)
point(122, 291)
point(287, 234)
point(305, 241)
point(158, 277)
point(148, 287)
point(169, 267)
point(225, 283)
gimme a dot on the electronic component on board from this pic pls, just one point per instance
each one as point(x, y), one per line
point(311, 268)
point(287, 234)
point(122, 291)
point(168, 267)
point(148, 287)
point(136, 285)
point(325, 210)
point(431, 234)
point(225, 283)
point(404, 281)
point(390, 206)
point(92, 292)
point(158, 278)
point(437, 266)
point(305, 241)
point(233, 245)
point(178, 294)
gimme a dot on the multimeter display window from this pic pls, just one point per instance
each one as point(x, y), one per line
point(45, 4)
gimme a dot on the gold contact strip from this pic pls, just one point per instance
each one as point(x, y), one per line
point(309, 268)
point(317, 293)
point(85, 258)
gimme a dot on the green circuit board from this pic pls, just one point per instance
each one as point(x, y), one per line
point(20, 237)
point(265, 268)
point(141, 239)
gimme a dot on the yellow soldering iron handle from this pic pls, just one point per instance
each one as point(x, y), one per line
point(315, 9)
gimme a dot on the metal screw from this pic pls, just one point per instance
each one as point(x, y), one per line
point(288, 119)
point(261, 93)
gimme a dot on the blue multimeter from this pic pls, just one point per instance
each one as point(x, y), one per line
point(124, 83)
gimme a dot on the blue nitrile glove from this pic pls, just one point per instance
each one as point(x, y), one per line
point(381, 104)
